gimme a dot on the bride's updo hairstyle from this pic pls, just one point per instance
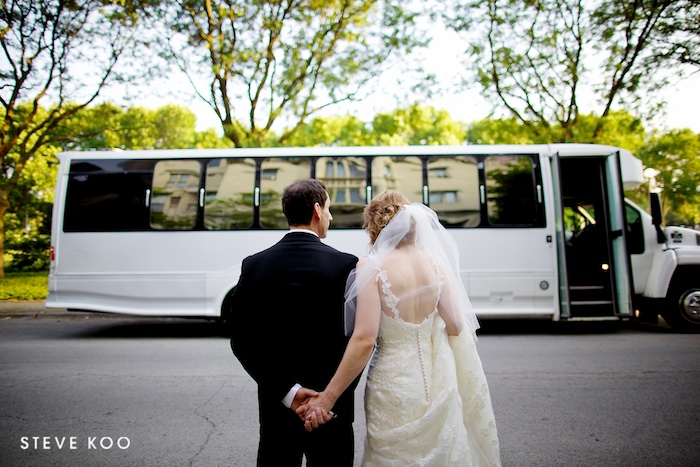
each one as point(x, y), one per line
point(381, 210)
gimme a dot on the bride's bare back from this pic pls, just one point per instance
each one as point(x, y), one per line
point(413, 283)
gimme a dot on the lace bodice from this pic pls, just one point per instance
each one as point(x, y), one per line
point(408, 343)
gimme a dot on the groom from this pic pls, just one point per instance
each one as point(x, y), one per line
point(287, 332)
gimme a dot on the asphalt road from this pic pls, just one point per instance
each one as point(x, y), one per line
point(101, 390)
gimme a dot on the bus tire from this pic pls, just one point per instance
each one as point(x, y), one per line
point(682, 307)
point(225, 314)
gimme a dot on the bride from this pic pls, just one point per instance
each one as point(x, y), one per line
point(427, 402)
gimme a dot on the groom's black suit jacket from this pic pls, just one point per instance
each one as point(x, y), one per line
point(287, 319)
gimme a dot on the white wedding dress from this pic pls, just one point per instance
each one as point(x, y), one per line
point(427, 402)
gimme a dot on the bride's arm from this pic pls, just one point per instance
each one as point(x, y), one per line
point(357, 352)
point(449, 309)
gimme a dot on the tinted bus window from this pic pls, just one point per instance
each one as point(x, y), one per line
point(175, 195)
point(346, 181)
point(635, 231)
point(511, 191)
point(398, 173)
point(276, 174)
point(454, 190)
point(228, 195)
point(107, 195)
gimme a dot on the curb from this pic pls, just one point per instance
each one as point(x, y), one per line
point(10, 308)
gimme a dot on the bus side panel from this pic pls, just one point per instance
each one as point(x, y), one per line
point(175, 271)
point(134, 294)
point(508, 272)
point(663, 265)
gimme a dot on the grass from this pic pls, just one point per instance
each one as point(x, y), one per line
point(24, 286)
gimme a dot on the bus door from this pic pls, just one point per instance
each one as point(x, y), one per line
point(622, 263)
point(587, 237)
point(564, 309)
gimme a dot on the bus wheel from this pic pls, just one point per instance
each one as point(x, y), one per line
point(225, 316)
point(682, 310)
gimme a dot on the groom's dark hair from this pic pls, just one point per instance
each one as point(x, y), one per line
point(299, 198)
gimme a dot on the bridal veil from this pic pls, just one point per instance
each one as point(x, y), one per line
point(417, 225)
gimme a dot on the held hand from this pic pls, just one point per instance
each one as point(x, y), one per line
point(302, 396)
point(316, 411)
point(315, 417)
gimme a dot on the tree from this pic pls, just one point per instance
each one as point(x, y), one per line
point(676, 155)
point(414, 125)
point(266, 60)
point(500, 131)
point(56, 51)
point(28, 220)
point(545, 61)
point(108, 126)
point(344, 130)
point(417, 125)
point(210, 139)
point(619, 128)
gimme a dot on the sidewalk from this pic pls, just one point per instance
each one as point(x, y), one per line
point(10, 308)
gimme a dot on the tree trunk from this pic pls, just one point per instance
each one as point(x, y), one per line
point(3, 209)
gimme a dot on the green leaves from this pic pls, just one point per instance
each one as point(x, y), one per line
point(414, 125)
point(107, 126)
point(676, 155)
point(24, 286)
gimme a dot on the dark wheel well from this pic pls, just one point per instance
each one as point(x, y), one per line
point(682, 308)
point(225, 314)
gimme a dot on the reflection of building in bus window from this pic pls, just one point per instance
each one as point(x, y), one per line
point(268, 174)
point(180, 180)
point(454, 190)
point(437, 197)
point(401, 173)
point(439, 172)
point(175, 190)
point(345, 180)
point(275, 174)
point(229, 194)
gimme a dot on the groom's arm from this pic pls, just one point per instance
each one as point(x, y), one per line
point(245, 322)
point(250, 337)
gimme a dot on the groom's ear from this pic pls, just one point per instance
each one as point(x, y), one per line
point(317, 210)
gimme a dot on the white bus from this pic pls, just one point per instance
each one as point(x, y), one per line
point(544, 231)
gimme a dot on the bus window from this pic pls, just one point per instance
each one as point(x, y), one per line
point(512, 196)
point(228, 201)
point(635, 231)
point(175, 196)
point(402, 173)
point(453, 184)
point(107, 195)
point(346, 181)
point(276, 174)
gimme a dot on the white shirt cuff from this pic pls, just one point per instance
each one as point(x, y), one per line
point(289, 398)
